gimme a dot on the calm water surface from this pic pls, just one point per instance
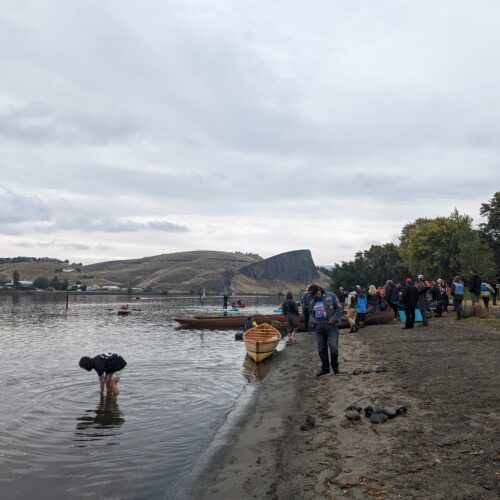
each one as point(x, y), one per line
point(60, 439)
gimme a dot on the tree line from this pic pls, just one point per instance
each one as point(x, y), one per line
point(439, 247)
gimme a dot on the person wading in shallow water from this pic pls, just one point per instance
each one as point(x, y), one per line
point(109, 367)
point(326, 314)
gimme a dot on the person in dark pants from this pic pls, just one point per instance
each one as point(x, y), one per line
point(291, 313)
point(342, 296)
point(457, 292)
point(325, 318)
point(410, 300)
point(474, 288)
point(422, 299)
point(305, 309)
point(495, 288)
point(392, 297)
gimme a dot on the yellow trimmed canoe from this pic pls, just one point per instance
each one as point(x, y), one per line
point(261, 341)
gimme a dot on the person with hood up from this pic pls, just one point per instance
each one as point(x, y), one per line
point(422, 288)
point(457, 292)
point(326, 314)
point(410, 300)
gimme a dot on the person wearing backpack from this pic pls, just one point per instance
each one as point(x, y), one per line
point(486, 291)
point(457, 292)
point(291, 313)
point(362, 307)
point(422, 287)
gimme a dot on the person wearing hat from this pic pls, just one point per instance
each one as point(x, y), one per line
point(326, 313)
point(410, 300)
point(422, 302)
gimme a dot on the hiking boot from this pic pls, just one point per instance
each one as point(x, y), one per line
point(321, 373)
point(336, 371)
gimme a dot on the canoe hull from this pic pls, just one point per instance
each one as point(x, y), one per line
point(261, 341)
point(229, 322)
point(238, 322)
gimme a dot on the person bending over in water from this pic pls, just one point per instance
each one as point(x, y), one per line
point(109, 367)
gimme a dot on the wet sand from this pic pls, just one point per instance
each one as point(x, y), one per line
point(446, 446)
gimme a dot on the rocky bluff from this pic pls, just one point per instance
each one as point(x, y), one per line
point(296, 266)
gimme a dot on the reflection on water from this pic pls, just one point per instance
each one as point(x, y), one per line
point(95, 425)
point(176, 393)
point(256, 372)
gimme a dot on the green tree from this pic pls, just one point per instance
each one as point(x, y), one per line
point(64, 284)
point(15, 279)
point(55, 283)
point(490, 230)
point(373, 266)
point(444, 246)
point(41, 282)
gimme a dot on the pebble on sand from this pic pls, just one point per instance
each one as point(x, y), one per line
point(378, 418)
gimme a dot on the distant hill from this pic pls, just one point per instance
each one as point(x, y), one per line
point(188, 272)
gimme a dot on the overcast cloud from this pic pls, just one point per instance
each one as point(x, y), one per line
point(162, 126)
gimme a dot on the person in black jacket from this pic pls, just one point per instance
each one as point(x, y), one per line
point(410, 300)
point(291, 313)
point(392, 297)
point(474, 288)
point(109, 367)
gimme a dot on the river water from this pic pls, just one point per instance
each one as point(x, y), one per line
point(60, 439)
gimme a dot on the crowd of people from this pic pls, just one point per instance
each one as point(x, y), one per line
point(410, 301)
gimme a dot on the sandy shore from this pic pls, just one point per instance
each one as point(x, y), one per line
point(446, 446)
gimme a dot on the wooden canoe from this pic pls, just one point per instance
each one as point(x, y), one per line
point(238, 322)
point(261, 341)
point(222, 322)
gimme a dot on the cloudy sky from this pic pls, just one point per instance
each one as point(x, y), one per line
point(136, 128)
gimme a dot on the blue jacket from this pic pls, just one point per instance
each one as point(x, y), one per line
point(362, 301)
point(332, 307)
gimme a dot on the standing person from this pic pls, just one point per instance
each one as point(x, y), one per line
point(474, 288)
point(374, 299)
point(422, 300)
point(342, 296)
point(351, 305)
point(362, 302)
point(392, 297)
point(325, 318)
point(457, 292)
point(291, 312)
point(486, 292)
point(495, 286)
point(202, 297)
point(109, 367)
point(224, 303)
point(305, 309)
point(445, 290)
point(437, 298)
point(410, 299)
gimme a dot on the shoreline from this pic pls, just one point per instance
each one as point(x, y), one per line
point(446, 375)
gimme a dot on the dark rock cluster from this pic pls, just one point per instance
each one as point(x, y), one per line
point(376, 414)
